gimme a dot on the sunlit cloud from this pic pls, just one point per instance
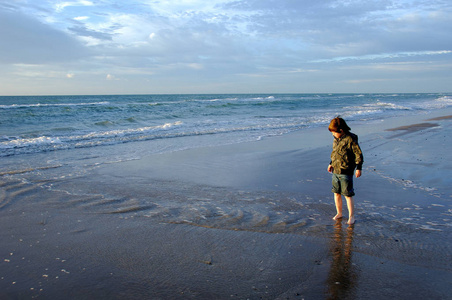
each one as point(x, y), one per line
point(82, 18)
point(195, 66)
point(61, 6)
point(382, 56)
point(360, 81)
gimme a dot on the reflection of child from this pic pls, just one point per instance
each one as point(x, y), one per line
point(345, 158)
point(342, 269)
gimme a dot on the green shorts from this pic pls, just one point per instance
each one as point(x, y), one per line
point(343, 184)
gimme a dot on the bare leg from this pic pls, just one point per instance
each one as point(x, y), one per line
point(338, 202)
point(351, 210)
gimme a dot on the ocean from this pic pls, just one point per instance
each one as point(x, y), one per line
point(71, 133)
point(42, 124)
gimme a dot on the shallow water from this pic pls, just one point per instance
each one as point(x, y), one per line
point(185, 241)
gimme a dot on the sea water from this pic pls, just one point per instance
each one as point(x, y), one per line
point(40, 124)
point(51, 132)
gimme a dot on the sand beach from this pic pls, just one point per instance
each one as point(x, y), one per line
point(243, 221)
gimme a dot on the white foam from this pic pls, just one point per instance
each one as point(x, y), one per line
point(124, 132)
point(430, 228)
point(92, 137)
point(21, 143)
point(15, 106)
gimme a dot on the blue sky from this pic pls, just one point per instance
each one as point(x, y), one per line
point(224, 46)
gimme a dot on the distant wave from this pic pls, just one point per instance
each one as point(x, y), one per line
point(446, 100)
point(373, 108)
point(16, 106)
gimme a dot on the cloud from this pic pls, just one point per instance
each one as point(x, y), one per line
point(269, 43)
point(383, 56)
point(81, 18)
point(59, 7)
point(334, 28)
point(83, 31)
point(196, 66)
point(26, 40)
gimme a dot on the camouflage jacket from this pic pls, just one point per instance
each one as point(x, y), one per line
point(346, 155)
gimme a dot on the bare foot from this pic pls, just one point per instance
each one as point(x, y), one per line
point(351, 221)
point(337, 217)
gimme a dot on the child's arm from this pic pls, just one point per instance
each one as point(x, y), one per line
point(330, 168)
point(358, 157)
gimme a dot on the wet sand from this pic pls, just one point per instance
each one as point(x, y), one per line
point(246, 221)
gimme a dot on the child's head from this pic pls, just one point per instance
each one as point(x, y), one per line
point(338, 125)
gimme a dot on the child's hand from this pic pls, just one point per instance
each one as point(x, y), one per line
point(358, 173)
point(330, 169)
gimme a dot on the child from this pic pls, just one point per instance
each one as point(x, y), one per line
point(345, 158)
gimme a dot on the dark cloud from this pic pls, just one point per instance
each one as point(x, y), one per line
point(26, 40)
point(83, 31)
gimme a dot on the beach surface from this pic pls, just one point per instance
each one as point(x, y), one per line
point(243, 221)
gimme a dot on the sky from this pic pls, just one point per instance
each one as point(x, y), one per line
point(50, 47)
